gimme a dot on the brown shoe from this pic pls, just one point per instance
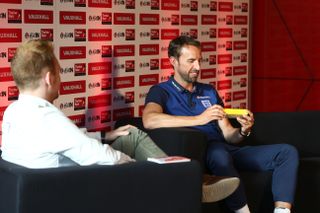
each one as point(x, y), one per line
point(215, 188)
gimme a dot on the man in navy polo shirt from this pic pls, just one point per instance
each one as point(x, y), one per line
point(183, 102)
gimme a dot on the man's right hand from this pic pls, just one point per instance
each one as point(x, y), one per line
point(215, 112)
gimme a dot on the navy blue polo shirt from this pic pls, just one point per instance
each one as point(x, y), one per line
point(175, 100)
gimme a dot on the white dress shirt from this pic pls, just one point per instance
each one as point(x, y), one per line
point(36, 134)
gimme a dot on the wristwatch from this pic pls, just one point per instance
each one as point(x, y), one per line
point(244, 134)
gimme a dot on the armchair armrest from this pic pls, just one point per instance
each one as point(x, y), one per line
point(134, 187)
point(182, 141)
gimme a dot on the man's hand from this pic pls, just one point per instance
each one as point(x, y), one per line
point(122, 130)
point(214, 112)
point(246, 122)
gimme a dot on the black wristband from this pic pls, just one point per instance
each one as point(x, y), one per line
point(243, 134)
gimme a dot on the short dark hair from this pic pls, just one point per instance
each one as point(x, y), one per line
point(175, 46)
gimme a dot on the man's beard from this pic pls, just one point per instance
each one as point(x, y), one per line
point(187, 76)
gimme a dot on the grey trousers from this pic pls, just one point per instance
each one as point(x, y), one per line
point(137, 145)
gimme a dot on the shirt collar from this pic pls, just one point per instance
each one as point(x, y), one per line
point(180, 88)
point(37, 100)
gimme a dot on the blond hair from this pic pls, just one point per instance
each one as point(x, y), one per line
point(29, 62)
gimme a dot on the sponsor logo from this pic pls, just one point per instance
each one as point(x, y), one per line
point(129, 65)
point(240, 45)
point(165, 63)
point(11, 52)
point(94, 18)
point(93, 118)
point(99, 68)
point(119, 34)
point(241, 20)
point(224, 84)
point(73, 52)
point(68, 17)
point(130, 4)
point(66, 105)
point(154, 64)
point(5, 74)
point(227, 97)
point(46, 34)
point(94, 51)
point(212, 59)
point(13, 93)
point(124, 18)
point(224, 58)
point(193, 6)
point(244, 7)
point(32, 35)
point(169, 34)
point(65, 35)
point(3, 15)
point(130, 34)
point(144, 64)
point(10, 35)
point(123, 82)
point(170, 5)
point(193, 33)
point(106, 84)
point(239, 95)
point(46, 2)
point(212, 33)
point(189, 20)
point(228, 20)
point(118, 98)
point(14, 16)
point(94, 85)
point(149, 19)
point(149, 49)
point(129, 97)
point(105, 116)
point(80, 3)
point(155, 4)
point(38, 16)
point(154, 34)
point(239, 70)
point(228, 45)
point(3, 54)
point(99, 101)
point(123, 50)
point(225, 33)
point(2, 109)
point(225, 6)
point(106, 51)
point(243, 57)
point(80, 35)
point(78, 120)
point(66, 70)
point(213, 6)
point(208, 73)
point(227, 71)
point(11, 1)
point(72, 87)
point(100, 3)
point(145, 80)
point(118, 2)
point(208, 46)
point(123, 113)
point(244, 32)
point(175, 19)
point(99, 34)
point(208, 19)
point(106, 18)
point(79, 69)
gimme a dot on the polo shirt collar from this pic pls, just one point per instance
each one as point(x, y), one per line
point(180, 88)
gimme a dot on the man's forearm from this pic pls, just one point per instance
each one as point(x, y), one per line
point(158, 120)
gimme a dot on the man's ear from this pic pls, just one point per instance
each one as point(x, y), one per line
point(48, 78)
point(172, 60)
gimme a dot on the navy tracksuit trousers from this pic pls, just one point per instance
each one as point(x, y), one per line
point(282, 159)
